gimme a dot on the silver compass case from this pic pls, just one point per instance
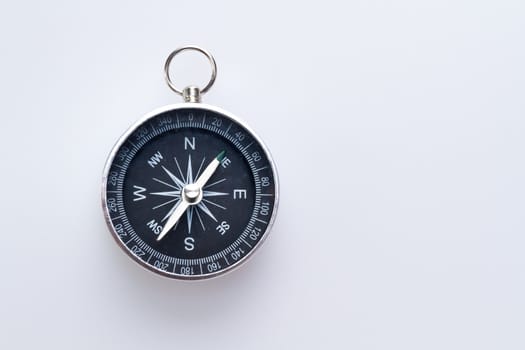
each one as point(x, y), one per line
point(199, 158)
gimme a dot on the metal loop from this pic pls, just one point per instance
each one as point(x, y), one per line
point(194, 48)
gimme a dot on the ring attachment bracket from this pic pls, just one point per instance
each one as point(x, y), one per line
point(191, 94)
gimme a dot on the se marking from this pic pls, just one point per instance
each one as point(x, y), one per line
point(223, 227)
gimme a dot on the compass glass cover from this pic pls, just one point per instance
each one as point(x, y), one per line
point(145, 179)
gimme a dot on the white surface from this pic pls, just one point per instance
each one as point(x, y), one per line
point(398, 129)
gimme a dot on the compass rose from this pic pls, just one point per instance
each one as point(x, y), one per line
point(176, 186)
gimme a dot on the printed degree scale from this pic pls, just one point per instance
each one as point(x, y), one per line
point(190, 191)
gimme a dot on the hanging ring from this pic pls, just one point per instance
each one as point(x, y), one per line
point(191, 48)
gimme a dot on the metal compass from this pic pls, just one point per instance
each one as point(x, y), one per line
point(189, 191)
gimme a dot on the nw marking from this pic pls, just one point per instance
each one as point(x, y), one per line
point(155, 159)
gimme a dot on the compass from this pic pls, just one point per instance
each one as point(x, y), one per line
point(189, 191)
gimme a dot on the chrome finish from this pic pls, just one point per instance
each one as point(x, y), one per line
point(193, 48)
point(192, 194)
point(191, 94)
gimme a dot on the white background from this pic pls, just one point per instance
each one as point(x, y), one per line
point(398, 131)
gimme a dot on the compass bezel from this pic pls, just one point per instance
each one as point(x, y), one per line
point(130, 131)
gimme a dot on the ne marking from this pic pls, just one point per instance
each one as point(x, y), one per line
point(225, 162)
point(264, 222)
point(229, 127)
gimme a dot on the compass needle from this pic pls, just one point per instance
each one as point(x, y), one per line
point(173, 219)
point(210, 169)
point(192, 194)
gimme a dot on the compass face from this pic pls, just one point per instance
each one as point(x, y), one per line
point(200, 159)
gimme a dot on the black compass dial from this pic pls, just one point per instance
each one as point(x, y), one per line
point(190, 192)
